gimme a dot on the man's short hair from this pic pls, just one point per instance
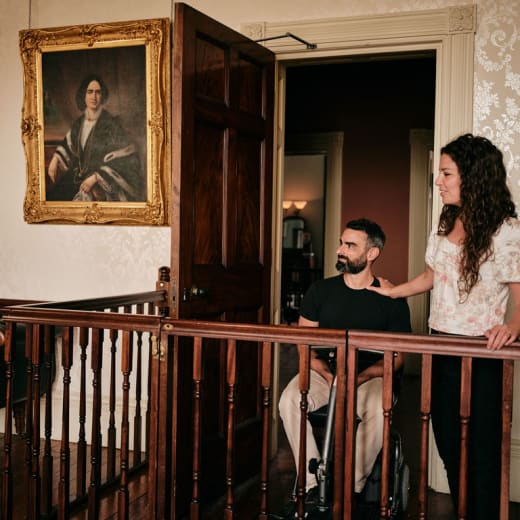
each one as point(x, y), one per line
point(375, 235)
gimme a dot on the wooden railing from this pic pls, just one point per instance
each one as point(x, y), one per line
point(344, 439)
point(140, 338)
point(92, 424)
point(463, 347)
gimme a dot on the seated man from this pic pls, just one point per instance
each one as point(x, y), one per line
point(343, 302)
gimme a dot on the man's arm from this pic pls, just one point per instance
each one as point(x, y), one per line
point(376, 370)
point(318, 365)
point(398, 321)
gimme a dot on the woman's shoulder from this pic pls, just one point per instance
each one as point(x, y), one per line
point(434, 240)
point(510, 229)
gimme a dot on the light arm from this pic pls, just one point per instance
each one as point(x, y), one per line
point(418, 285)
point(507, 333)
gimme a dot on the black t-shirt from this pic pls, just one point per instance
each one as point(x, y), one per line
point(334, 305)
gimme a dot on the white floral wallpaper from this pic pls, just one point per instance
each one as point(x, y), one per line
point(91, 262)
point(497, 81)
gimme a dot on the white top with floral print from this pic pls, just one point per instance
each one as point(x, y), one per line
point(486, 304)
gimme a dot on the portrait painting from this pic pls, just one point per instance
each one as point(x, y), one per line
point(95, 123)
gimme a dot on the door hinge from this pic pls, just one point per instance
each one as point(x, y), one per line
point(158, 349)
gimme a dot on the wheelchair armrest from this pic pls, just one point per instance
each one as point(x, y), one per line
point(318, 418)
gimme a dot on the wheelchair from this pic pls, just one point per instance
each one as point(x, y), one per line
point(367, 502)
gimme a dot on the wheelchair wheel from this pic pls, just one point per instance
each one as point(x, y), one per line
point(405, 487)
point(400, 505)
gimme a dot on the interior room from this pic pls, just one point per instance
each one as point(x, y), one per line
point(374, 100)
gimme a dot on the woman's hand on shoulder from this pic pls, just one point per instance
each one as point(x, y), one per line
point(385, 288)
point(385, 284)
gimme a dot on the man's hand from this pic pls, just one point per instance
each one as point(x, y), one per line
point(321, 367)
point(318, 365)
point(376, 370)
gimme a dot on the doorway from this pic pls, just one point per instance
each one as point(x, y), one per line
point(449, 32)
point(373, 102)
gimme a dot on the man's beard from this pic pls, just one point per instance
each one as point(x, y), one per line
point(351, 267)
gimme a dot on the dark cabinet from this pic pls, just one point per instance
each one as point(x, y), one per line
point(298, 273)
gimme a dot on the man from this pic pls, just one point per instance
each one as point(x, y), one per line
point(344, 302)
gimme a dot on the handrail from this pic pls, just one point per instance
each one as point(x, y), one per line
point(68, 318)
point(430, 344)
point(8, 302)
point(86, 313)
point(423, 344)
point(252, 332)
point(384, 341)
point(82, 313)
point(94, 304)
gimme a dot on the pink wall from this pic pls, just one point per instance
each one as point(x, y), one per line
point(375, 104)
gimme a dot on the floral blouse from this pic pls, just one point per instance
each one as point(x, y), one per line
point(485, 306)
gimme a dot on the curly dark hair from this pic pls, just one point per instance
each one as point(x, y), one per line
point(485, 203)
point(82, 90)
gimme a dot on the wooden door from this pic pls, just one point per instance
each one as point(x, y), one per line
point(223, 85)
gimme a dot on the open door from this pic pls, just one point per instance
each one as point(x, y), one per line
point(223, 96)
point(223, 92)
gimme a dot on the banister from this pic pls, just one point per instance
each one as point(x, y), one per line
point(90, 312)
point(98, 313)
point(106, 302)
point(431, 344)
point(102, 320)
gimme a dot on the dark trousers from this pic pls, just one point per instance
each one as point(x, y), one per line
point(485, 431)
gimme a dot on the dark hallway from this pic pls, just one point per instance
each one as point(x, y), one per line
point(375, 101)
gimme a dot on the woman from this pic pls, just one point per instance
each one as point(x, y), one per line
point(96, 161)
point(473, 266)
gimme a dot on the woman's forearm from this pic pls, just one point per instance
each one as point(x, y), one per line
point(418, 285)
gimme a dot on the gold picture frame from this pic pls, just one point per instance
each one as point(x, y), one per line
point(96, 123)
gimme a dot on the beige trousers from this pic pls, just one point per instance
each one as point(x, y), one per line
point(369, 435)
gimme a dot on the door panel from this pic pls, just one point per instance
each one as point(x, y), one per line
point(223, 91)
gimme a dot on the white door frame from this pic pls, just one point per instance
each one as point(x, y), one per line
point(450, 32)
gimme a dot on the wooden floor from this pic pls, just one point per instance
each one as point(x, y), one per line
point(282, 469)
point(108, 506)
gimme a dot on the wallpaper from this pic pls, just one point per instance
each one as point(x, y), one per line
point(497, 82)
point(116, 260)
point(497, 68)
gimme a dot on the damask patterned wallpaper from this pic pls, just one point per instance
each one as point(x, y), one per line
point(497, 81)
point(497, 66)
point(116, 260)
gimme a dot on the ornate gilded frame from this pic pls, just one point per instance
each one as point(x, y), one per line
point(139, 51)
